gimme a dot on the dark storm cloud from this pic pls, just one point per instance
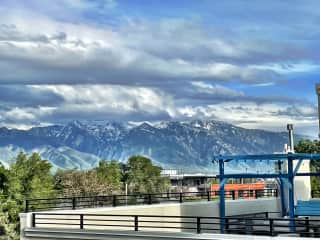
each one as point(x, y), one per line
point(191, 94)
point(27, 96)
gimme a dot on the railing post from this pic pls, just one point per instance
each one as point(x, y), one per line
point(149, 199)
point(74, 203)
point(208, 196)
point(27, 206)
point(226, 224)
point(33, 220)
point(180, 197)
point(256, 194)
point(271, 227)
point(307, 223)
point(136, 223)
point(95, 201)
point(81, 221)
point(198, 225)
point(114, 200)
point(233, 193)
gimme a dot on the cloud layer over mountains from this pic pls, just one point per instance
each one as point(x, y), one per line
point(253, 65)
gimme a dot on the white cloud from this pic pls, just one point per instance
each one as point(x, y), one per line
point(18, 114)
point(110, 101)
point(113, 102)
point(256, 116)
point(143, 68)
point(216, 90)
point(289, 68)
point(117, 97)
point(81, 53)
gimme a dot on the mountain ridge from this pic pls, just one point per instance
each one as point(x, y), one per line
point(171, 144)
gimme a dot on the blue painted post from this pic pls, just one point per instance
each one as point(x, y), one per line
point(282, 198)
point(221, 195)
point(282, 194)
point(291, 193)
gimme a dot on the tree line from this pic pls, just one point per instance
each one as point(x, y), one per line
point(33, 177)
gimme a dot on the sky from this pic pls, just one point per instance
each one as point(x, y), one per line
point(250, 63)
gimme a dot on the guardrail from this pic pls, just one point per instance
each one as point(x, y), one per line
point(74, 202)
point(233, 225)
point(315, 193)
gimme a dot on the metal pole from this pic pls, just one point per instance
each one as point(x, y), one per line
point(81, 221)
point(136, 223)
point(221, 196)
point(33, 220)
point(198, 225)
point(74, 203)
point(27, 206)
point(126, 192)
point(291, 142)
point(282, 195)
point(291, 193)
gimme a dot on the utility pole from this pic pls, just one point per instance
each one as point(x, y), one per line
point(291, 142)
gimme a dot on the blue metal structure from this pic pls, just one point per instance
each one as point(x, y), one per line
point(283, 178)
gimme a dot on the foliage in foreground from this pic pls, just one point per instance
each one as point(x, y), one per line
point(308, 146)
point(31, 177)
point(27, 177)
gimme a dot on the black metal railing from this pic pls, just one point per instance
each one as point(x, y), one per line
point(234, 225)
point(315, 193)
point(77, 202)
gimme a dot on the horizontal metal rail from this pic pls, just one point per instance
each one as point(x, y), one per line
point(76, 202)
point(199, 224)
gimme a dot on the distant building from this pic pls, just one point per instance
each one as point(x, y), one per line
point(186, 182)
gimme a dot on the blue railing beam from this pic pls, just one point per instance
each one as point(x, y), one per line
point(255, 175)
point(296, 169)
point(311, 174)
point(266, 157)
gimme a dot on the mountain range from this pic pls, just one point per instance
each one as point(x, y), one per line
point(189, 146)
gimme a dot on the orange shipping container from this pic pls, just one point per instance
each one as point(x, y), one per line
point(245, 190)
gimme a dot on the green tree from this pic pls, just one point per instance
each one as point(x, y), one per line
point(144, 177)
point(28, 177)
point(7, 228)
point(109, 173)
point(308, 146)
point(31, 177)
point(3, 180)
